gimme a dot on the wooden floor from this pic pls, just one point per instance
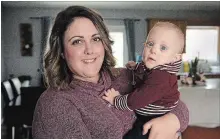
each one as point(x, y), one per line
point(195, 132)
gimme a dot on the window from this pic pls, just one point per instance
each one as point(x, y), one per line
point(120, 52)
point(202, 42)
point(117, 47)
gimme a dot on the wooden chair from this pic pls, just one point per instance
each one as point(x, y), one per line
point(29, 97)
point(11, 109)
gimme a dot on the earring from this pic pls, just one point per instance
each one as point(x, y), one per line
point(62, 55)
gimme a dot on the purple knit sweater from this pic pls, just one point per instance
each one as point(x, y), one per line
point(80, 113)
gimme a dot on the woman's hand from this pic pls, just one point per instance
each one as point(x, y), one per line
point(164, 127)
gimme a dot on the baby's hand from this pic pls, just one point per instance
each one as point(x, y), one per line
point(110, 95)
point(131, 65)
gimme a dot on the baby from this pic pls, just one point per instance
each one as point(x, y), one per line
point(158, 92)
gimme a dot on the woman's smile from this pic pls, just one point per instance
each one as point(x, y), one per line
point(87, 61)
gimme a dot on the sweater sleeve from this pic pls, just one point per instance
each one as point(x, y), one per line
point(182, 113)
point(58, 118)
point(152, 89)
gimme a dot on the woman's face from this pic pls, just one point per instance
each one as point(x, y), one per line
point(83, 49)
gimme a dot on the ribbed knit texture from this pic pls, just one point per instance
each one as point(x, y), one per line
point(80, 113)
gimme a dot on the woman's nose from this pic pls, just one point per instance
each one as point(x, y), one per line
point(88, 48)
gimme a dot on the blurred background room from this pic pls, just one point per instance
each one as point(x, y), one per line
point(25, 26)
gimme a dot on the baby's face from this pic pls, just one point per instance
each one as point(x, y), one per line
point(162, 47)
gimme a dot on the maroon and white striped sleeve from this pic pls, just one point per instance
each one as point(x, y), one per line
point(120, 102)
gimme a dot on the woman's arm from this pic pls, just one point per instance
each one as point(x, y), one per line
point(167, 126)
point(182, 113)
point(57, 118)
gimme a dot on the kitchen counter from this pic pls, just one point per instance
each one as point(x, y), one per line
point(206, 74)
point(209, 77)
point(212, 83)
point(203, 103)
point(212, 75)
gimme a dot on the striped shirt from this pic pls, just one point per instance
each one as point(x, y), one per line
point(158, 94)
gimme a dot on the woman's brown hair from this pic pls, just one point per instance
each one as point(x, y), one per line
point(56, 72)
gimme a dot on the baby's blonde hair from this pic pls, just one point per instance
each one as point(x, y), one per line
point(177, 29)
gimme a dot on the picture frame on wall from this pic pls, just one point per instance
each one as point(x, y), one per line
point(26, 39)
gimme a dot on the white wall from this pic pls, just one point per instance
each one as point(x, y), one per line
point(14, 63)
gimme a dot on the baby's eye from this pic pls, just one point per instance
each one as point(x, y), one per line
point(97, 39)
point(150, 44)
point(163, 48)
point(75, 42)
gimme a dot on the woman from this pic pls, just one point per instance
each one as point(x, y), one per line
point(78, 69)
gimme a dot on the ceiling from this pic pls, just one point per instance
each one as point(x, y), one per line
point(145, 5)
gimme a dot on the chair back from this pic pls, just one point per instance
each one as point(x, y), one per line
point(13, 113)
point(7, 93)
point(17, 85)
point(16, 88)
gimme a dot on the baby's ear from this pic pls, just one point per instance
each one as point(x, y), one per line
point(177, 57)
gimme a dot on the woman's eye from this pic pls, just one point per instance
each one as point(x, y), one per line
point(97, 39)
point(75, 42)
point(163, 48)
